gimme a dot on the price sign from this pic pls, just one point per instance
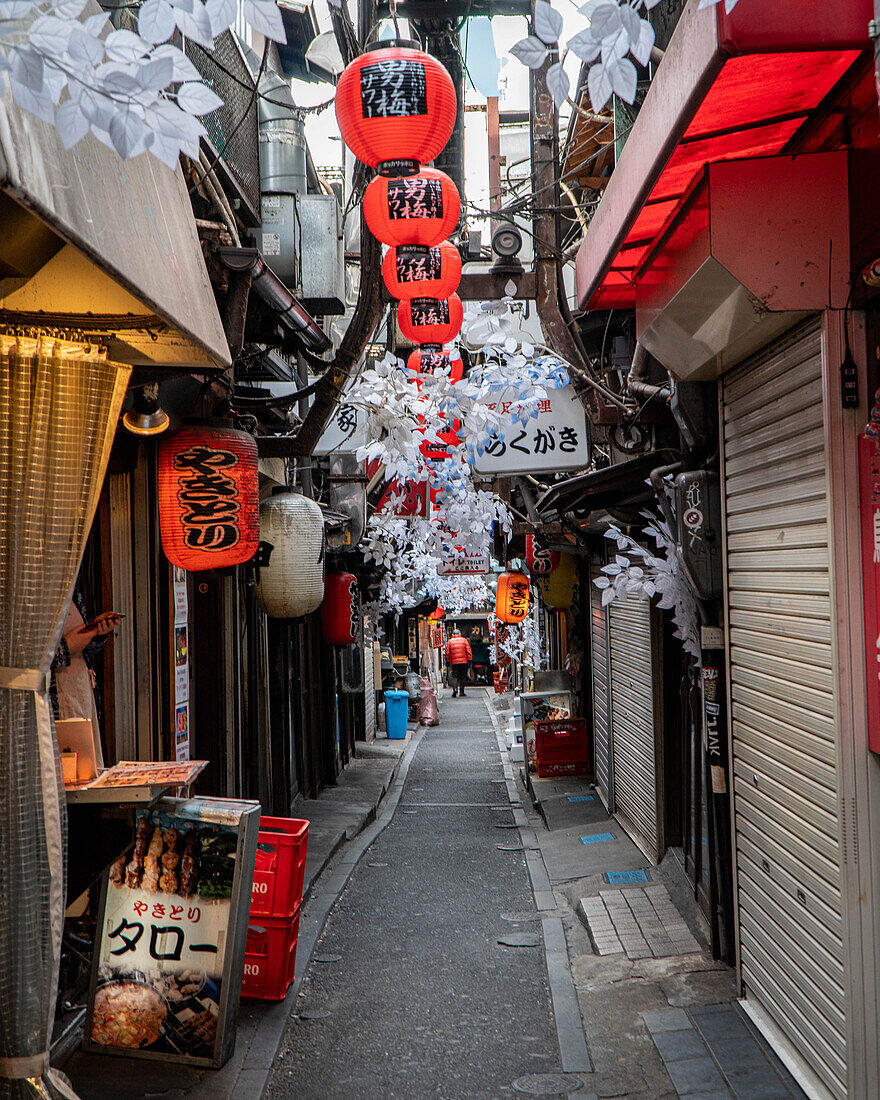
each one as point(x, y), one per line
point(556, 440)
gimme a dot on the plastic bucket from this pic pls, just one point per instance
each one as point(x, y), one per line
point(396, 712)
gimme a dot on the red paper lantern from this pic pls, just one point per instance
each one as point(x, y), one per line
point(427, 360)
point(437, 452)
point(395, 103)
point(437, 614)
point(421, 209)
point(540, 562)
point(414, 271)
point(430, 320)
point(501, 658)
point(209, 506)
point(340, 609)
point(512, 597)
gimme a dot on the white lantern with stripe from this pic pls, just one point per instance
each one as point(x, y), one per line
point(292, 584)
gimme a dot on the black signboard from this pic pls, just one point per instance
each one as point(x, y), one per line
point(418, 265)
point(393, 88)
point(429, 311)
point(415, 197)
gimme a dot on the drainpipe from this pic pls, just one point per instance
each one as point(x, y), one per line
point(637, 383)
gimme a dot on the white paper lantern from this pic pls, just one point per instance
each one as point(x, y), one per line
point(292, 584)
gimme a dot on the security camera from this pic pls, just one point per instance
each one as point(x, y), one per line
point(506, 240)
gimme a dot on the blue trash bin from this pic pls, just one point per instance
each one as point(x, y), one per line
point(396, 712)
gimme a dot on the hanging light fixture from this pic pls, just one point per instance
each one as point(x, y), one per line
point(512, 597)
point(146, 416)
point(396, 107)
point(415, 271)
point(434, 359)
point(292, 584)
point(208, 496)
point(430, 320)
point(419, 209)
point(340, 609)
point(557, 588)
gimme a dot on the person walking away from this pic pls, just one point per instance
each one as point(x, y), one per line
point(458, 654)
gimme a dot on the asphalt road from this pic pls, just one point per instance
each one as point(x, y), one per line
point(423, 1003)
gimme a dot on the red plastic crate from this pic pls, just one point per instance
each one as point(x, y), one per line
point(270, 958)
point(280, 865)
point(561, 747)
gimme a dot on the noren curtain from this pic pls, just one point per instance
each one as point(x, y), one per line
point(59, 406)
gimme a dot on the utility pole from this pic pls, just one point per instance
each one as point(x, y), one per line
point(494, 137)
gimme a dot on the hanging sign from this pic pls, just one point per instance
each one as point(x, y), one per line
point(465, 564)
point(346, 430)
point(171, 934)
point(555, 440)
point(869, 493)
point(411, 500)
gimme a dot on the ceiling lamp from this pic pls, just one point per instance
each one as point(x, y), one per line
point(208, 497)
point(512, 598)
point(146, 416)
point(432, 359)
point(430, 320)
point(418, 209)
point(415, 271)
point(292, 584)
point(396, 107)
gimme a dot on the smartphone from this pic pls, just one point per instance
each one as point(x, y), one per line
point(86, 628)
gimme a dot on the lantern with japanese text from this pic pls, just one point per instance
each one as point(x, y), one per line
point(395, 104)
point(540, 562)
point(557, 587)
point(430, 320)
point(446, 439)
point(209, 503)
point(512, 597)
point(414, 271)
point(428, 360)
point(340, 609)
point(501, 658)
point(292, 584)
point(405, 210)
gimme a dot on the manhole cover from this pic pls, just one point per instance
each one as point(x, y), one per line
point(326, 958)
point(313, 1014)
point(520, 939)
point(548, 1084)
point(510, 847)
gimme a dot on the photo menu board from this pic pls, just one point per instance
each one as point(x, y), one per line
point(172, 928)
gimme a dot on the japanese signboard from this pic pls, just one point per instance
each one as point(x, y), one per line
point(345, 431)
point(869, 480)
point(172, 927)
point(465, 563)
point(554, 440)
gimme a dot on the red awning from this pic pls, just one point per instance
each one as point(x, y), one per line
point(730, 87)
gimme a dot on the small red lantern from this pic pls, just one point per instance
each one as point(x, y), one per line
point(395, 103)
point(430, 360)
point(430, 320)
point(340, 609)
point(540, 562)
point(209, 505)
point(437, 452)
point(414, 271)
point(437, 614)
point(512, 597)
point(421, 209)
point(501, 658)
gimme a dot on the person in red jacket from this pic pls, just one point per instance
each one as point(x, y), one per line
point(458, 654)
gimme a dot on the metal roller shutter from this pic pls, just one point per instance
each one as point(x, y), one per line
point(601, 716)
point(784, 730)
point(633, 738)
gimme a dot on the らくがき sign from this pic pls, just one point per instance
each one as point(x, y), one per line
point(554, 440)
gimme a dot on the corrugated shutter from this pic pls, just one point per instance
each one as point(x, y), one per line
point(783, 705)
point(634, 762)
point(369, 693)
point(601, 715)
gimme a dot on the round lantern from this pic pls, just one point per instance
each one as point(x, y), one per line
point(512, 597)
point(540, 562)
point(430, 320)
point(415, 271)
point(340, 609)
point(209, 507)
point(501, 658)
point(427, 360)
point(438, 451)
point(437, 614)
point(292, 584)
point(395, 103)
point(421, 209)
point(557, 589)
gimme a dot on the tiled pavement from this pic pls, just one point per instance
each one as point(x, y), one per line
point(641, 921)
point(711, 1054)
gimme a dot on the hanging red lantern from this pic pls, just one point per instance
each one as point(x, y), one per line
point(501, 658)
point(414, 271)
point(437, 452)
point(340, 609)
point(430, 320)
point(437, 614)
point(540, 562)
point(421, 209)
point(429, 359)
point(395, 103)
point(512, 597)
point(209, 504)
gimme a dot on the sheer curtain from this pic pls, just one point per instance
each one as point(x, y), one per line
point(59, 405)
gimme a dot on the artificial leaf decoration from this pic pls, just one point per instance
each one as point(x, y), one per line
point(530, 51)
point(585, 46)
point(624, 78)
point(558, 83)
point(599, 86)
point(548, 23)
point(641, 49)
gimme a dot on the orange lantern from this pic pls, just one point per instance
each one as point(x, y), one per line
point(414, 271)
point(512, 597)
point(395, 103)
point(340, 609)
point(209, 506)
point(429, 359)
point(421, 209)
point(430, 320)
point(540, 562)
